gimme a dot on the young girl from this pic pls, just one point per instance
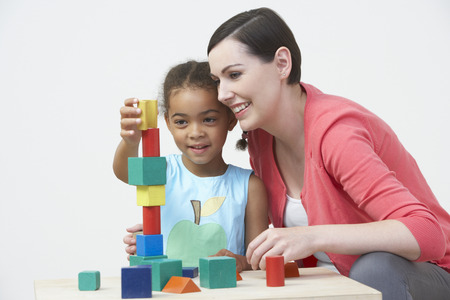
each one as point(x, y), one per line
point(210, 205)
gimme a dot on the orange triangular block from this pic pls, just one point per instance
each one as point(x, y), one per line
point(180, 285)
point(238, 276)
point(291, 270)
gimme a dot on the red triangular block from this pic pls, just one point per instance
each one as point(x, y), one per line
point(291, 270)
point(180, 285)
point(238, 276)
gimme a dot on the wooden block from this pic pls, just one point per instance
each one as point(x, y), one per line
point(149, 245)
point(238, 276)
point(180, 285)
point(151, 219)
point(89, 280)
point(217, 272)
point(147, 170)
point(137, 282)
point(151, 195)
point(150, 142)
point(136, 260)
point(163, 269)
point(275, 270)
point(190, 272)
point(149, 115)
point(291, 270)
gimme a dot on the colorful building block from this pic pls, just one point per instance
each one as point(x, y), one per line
point(137, 282)
point(190, 272)
point(162, 270)
point(291, 270)
point(151, 195)
point(217, 272)
point(238, 276)
point(149, 115)
point(149, 245)
point(150, 142)
point(89, 280)
point(147, 170)
point(275, 270)
point(180, 285)
point(151, 219)
point(136, 260)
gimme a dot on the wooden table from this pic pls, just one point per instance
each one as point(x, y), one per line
point(313, 283)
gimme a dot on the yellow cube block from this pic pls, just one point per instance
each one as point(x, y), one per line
point(151, 195)
point(149, 115)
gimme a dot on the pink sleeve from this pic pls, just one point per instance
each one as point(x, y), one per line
point(354, 156)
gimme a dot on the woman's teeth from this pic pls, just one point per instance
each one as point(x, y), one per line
point(240, 107)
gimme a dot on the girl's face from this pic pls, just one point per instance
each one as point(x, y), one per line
point(199, 125)
point(250, 87)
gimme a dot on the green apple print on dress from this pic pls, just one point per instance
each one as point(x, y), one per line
point(189, 240)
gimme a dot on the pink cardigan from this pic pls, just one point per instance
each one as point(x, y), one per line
point(356, 171)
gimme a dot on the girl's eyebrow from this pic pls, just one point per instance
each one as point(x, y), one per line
point(201, 113)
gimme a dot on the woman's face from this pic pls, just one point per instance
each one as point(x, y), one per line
point(250, 87)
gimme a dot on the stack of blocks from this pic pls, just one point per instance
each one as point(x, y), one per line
point(148, 174)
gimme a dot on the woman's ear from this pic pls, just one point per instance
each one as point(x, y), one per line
point(283, 61)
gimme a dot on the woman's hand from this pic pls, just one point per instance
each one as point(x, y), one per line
point(130, 239)
point(293, 243)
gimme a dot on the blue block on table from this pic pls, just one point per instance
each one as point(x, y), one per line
point(190, 272)
point(137, 282)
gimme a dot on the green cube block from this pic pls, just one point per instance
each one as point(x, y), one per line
point(147, 170)
point(217, 272)
point(136, 260)
point(89, 280)
point(162, 270)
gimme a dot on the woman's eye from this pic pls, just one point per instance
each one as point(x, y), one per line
point(235, 75)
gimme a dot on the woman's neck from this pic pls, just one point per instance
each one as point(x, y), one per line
point(287, 128)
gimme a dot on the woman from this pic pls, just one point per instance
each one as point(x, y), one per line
point(331, 164)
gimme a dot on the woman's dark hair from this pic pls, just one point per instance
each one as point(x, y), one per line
point(191, 74)
point(263, 31)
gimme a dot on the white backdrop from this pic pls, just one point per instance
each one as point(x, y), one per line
point(67, 66)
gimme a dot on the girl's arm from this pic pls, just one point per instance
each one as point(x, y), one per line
point(131, 136)
point(256, 220)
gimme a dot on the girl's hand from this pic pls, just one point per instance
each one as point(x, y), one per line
point(129, 115)
point(130, 239)
point(293, 243)
point(241, 261)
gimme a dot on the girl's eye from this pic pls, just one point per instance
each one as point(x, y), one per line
point(209, 120)
point(180, 122)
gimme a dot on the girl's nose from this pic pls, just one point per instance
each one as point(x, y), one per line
point(196, 130)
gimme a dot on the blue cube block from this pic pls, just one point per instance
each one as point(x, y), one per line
point(149, 245)
point(89, 280)
point(137, 282)
point(190, 272)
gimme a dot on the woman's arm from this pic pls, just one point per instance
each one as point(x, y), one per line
point(351, 239)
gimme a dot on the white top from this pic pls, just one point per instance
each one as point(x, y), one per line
point(295, 215)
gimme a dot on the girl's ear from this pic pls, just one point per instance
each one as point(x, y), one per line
point(283, 61)
point(166, 118)
point(232, 122)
